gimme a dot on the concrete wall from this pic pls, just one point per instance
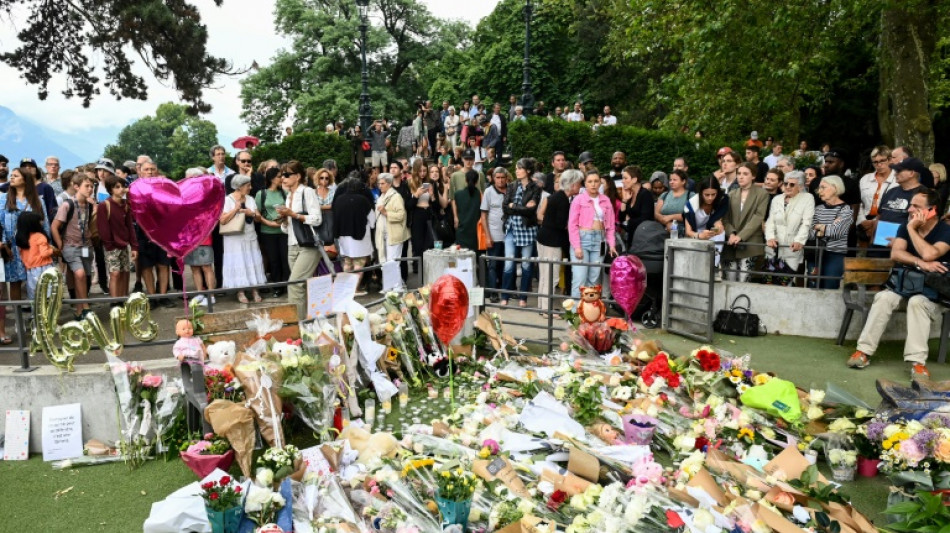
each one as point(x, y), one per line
point(783, 310)
point(90, 385)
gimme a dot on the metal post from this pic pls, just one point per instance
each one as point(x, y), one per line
point(366, 109)
point(527, 98)
point(20, 335)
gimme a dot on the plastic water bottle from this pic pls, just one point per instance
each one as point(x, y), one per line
point(675, 230)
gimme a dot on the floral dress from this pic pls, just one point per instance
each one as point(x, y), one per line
point(13, 267)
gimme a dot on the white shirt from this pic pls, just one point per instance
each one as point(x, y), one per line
point(868, 186)
point(575, 117)
point(771, 160)
point(303, 199)
point(496, 120)
point(610, 120)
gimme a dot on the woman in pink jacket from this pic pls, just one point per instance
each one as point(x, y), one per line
point(590, 224)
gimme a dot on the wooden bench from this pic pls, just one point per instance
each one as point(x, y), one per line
point(864, 277)
point(230, 326)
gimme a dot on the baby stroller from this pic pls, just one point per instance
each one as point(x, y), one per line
point(647, 244)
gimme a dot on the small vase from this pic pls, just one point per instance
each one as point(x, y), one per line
point(843, 472)
point(227, 521)
point(454, 512)
point(868, 467)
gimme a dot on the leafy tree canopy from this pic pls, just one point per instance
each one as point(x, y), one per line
point(173, 139)
point(318, 80)
point(59, 37)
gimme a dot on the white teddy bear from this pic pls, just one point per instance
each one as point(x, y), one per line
point(289, 353)
point(221, 354)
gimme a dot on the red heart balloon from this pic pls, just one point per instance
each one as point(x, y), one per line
point(448, 306)
point(177, 216)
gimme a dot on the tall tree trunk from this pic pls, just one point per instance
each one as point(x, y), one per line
point(908, 38)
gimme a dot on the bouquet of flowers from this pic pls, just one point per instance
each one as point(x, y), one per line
point(135, 391)
point(205, 455)
point(221, 495)
point(456, 484)
point(165, 409)
point(223, 385)
point(260, 372)
point(276, 464)
point(262, 504)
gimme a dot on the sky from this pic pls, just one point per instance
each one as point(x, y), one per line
point(231, 27)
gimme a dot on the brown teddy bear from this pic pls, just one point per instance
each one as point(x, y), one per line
point(591, 309)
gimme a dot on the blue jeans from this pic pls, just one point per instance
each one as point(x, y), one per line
point(832, 264)
point(508, 278)
point(493, 269)
point(585, 276)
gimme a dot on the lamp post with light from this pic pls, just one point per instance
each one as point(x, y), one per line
point(527, 98)
point(366, 109)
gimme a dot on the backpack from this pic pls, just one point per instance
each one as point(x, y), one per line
point(90, 216)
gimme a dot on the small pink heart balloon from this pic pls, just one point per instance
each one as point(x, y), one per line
point(628, 282)
point(177, 216)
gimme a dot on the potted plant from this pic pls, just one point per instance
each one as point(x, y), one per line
point(223, 504)
point(205, 455)
point(454, 495)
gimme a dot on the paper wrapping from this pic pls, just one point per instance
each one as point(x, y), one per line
point(236, 423)
point(264, 401)
point(202, 465)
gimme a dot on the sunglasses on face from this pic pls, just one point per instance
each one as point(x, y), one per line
point(789, 184)
point(287, 174)
point(244, 160)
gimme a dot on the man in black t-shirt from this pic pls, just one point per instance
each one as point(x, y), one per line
point(752, 156)
point(895, 203)
point(923, 244)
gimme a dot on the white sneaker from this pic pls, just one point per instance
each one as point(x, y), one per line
point(201, 300)
point(213, 300)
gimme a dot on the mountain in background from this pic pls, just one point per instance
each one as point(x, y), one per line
point(21, 137)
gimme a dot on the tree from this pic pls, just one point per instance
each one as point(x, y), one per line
point(168, 36)
point(174, 139)
point(318, 80)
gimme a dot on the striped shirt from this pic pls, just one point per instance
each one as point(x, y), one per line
point(837, 220)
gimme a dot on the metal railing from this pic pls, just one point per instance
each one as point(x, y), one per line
point(810, 280)
point(22, 328)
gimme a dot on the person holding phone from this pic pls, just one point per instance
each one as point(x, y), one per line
point(922, 243)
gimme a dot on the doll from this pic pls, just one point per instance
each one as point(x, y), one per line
point(188, 348)
point(606, 433)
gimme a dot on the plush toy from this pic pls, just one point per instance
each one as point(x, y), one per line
point(221, 354)
point(287, 350)
point(371, 446)
point(188, 348)
point(439, 364)
point(591, 309)
point(644, 351)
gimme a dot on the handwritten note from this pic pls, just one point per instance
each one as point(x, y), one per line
point(62, 432)
point(319, 302)
point(17, 436)
point(344, 287)
point(392, 278)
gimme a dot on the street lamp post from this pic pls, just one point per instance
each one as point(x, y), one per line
point(527, 98)
point(366, 109)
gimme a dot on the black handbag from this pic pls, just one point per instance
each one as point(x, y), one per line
point(304, 233)
point(907, 282)
point(737, 320)
point(325, 229)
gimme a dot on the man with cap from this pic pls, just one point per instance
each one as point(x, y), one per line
point(834, 165)
point(457, 180)
point(754, 140)
point(585, 160)
point(772, 159)
point(923, 243)
point(894, 206)
point(901, 153)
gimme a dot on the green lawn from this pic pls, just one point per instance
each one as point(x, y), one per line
point(110, 498)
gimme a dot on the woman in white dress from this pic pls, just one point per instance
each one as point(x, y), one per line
point(243, 263)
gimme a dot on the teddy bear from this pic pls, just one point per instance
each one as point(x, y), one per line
point(221, 354)
point(288, 351)
point(371, 446)
point(591, 309)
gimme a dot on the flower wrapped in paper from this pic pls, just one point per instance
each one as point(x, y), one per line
point(236, 423)
point(165, 409)
point(260, 375)
point(135, 395)
point(207, 454)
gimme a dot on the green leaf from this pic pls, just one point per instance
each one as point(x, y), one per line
point(903, 508)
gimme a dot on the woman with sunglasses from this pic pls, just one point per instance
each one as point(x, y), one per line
point(790, 220)
point(273, 240)
point(873, 185)
point(303, 206)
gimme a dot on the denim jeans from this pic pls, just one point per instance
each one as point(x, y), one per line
point(584, 276)
point(494, 269)
point(508, 278)
point(832, 264)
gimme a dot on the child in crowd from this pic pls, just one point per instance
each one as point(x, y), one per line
point(35, 249)
point(114, 220)
point(72, 232)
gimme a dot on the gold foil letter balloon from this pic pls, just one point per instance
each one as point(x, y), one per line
point(75, 337)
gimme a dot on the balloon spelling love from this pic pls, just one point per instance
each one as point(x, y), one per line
point(177, 216)
point(76, 337)
point(448, 307)
point(628, 282)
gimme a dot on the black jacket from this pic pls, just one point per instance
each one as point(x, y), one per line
point(528, 214)
point(349, 215)
point(553, 230)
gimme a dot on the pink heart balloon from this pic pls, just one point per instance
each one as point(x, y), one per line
point(628, 282)
point(177, 216)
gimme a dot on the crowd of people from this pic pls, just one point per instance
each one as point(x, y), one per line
point(282, 221)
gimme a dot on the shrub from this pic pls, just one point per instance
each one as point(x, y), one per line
point(650, 149)
point(311, 149)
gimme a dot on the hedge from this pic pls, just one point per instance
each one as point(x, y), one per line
point(650, 149)
point(311, 149)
